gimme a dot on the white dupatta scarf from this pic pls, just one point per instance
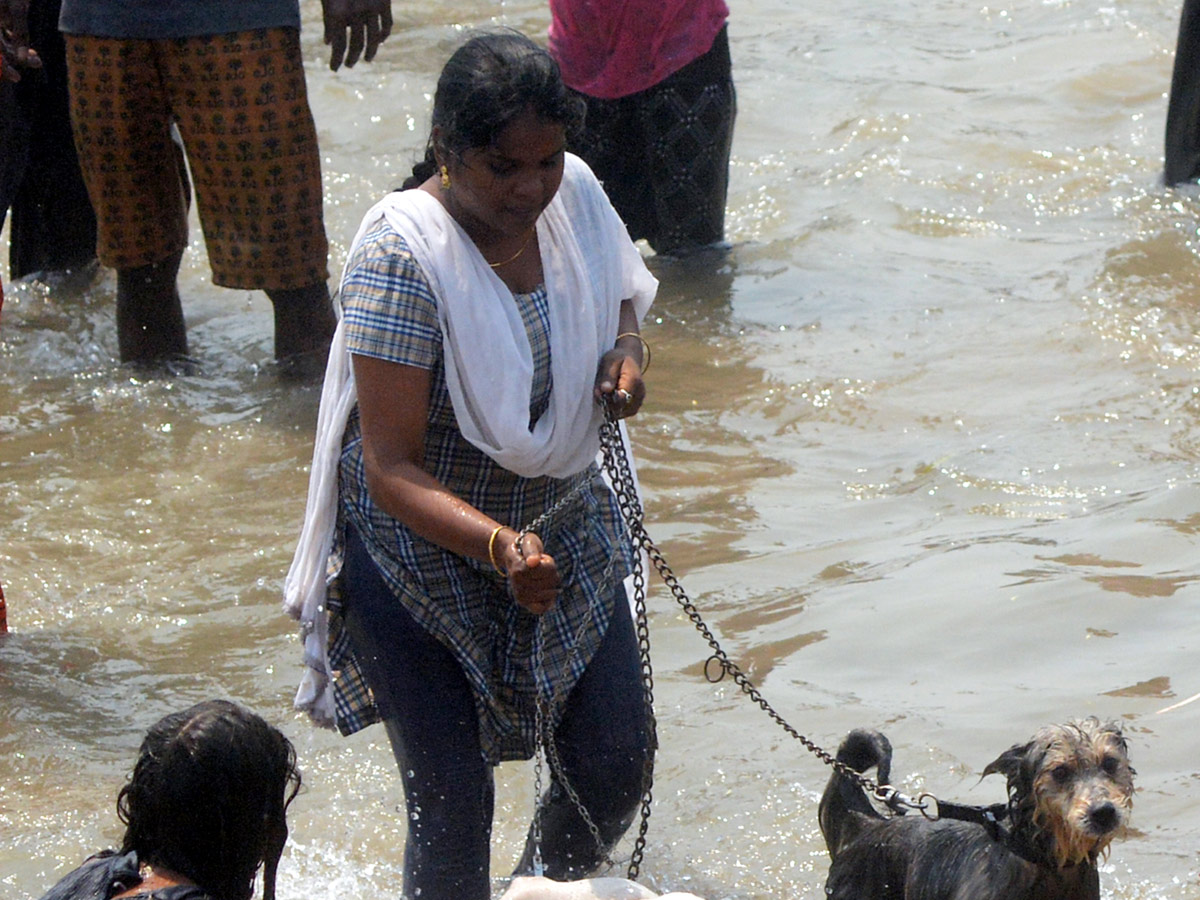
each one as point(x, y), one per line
point(589, 265)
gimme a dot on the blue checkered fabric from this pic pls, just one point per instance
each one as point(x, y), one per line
point(391, 314)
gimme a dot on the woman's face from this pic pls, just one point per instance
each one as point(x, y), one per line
point(499, 191)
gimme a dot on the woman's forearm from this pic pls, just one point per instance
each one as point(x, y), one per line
point(424, 505)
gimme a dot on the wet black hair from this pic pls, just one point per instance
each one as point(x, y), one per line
point(487, 83)
point(208, 798)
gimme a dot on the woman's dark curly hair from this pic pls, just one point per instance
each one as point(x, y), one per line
point(208, 798)
point(487, 83)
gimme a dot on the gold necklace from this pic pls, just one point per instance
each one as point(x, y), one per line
point(505, 262)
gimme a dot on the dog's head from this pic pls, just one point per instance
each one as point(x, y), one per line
point(1071, 786)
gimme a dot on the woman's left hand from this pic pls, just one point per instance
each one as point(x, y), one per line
point(619, 382)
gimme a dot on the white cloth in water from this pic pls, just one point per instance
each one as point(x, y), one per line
point(533, 887)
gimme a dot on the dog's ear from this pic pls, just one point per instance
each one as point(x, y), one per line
point(1008, 763)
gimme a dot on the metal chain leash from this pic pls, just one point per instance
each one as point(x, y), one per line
point(583, 484)
point(539, 867)
point(551, 750)
point(642, 627)
point(620, 474)
point(546, 746)
point(616, 461)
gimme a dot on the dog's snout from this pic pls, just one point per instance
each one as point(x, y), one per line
point(1104, 817)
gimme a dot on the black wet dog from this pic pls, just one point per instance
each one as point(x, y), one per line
point(1070, 789)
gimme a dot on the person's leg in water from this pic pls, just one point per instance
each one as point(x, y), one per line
point(53, 226)
point(602, 744)
point(663, 153)
point(136, 179)
point(613, 146)
point(304, 326)
point(260, 199)
point(687, 123)
point(429, 712)
point(1182, 145)
point(150, 324)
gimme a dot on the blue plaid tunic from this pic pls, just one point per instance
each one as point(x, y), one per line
point(391, 314)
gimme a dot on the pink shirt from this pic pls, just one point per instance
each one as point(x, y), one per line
point(613, 48)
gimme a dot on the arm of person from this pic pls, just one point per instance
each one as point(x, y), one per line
point(393, 409)
point(619, 375)
point(353, 28)
point(15, 52)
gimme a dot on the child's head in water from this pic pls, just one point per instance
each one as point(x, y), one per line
point(208, 798)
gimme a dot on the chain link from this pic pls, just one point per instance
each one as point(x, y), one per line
point(543, 713)
point(583, 484)
point(539, 867)
point(620, 473)
point(617, 462)
point(545, 736)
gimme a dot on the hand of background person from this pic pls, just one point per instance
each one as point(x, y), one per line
point(532, 574)
point(619, 380)
point(353, 28)
point(14, 40)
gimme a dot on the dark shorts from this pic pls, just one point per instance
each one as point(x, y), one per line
point(663, 153)
point(241, 107)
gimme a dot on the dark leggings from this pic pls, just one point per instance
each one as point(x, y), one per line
point(1182, 158)
point(663, 153)
point(429, 712)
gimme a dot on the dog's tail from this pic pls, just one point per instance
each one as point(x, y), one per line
point(844, 801)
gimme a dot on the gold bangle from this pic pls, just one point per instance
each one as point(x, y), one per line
point(492, 549)
point(645, 348)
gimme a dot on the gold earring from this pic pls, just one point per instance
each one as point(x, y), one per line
point(445, 177)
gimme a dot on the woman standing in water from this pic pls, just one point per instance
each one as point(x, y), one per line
point(487, 309)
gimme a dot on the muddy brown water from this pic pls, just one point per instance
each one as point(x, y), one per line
point(923, 446)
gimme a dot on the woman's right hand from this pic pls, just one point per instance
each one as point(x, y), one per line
point(532, 574)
